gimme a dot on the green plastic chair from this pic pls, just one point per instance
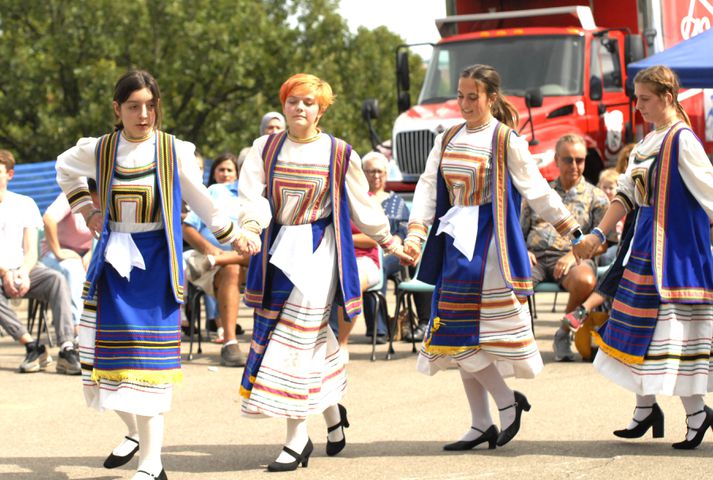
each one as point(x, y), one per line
point(404, 296)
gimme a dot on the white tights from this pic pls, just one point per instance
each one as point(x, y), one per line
point(477, 385)
point(296, 439)
point(149, 430)
point(691, 405)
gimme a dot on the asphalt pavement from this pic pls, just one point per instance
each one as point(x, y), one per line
point(400, 420)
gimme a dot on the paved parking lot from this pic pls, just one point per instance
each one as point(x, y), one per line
point(400, 421)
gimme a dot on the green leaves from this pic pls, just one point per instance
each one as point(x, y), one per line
point(219, 63)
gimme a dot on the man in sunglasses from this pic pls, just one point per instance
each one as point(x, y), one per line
point(550, 254)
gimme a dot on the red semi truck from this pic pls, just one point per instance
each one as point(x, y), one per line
point(563, 65)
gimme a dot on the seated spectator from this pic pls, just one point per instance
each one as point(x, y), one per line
point(272, 122)
point(608, 180)
point(551, 255)
point(22, 277)
point(622, 160)
point(216, 269)
point(67, 246)
point(375, 166)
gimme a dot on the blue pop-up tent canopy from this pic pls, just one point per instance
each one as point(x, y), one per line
point(692, 60)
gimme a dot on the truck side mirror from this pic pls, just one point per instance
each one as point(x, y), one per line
point(404, 101)
point(629, 88)
point(370, 109)
point(533, 97)
point(596, 90)
point(633, 48)
point(403, 77)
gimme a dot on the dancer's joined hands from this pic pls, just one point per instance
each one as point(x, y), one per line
point(247, 243)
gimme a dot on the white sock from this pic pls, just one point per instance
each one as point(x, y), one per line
point(230, 342)
point(296, 439)
point(67, 344)
point(126, 446)
point(641, 413)
point(694, 404)
point(151, 433)
point(490, 378)
point(479, 410)
point(332, 417)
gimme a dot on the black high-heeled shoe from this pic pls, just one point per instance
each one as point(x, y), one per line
point(509, 433)
point(700, 431)
point(302, 458)
point(113, 461)
point(161, 476)
point(654, 420)
point(334, 448)
point(490, 436)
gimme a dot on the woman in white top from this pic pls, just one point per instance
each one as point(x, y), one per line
point(659, 336)
point(299, 189)
point(130, 328)
point(469, 197)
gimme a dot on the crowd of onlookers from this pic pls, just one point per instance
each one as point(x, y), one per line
point(45, 258)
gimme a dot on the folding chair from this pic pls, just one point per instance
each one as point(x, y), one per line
point(194, 295)
point(380, 306)
point(37, 312)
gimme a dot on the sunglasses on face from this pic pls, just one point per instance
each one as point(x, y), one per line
point(568, 160)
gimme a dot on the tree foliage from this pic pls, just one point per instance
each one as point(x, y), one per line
point(220, 64)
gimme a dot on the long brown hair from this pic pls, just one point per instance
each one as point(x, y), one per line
point(663, 80)
point(501, 109)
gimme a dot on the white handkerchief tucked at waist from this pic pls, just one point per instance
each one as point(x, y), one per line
point(123, 254)
point(461, 223)
point(292, 253)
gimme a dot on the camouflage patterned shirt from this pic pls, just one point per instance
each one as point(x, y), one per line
point(587, 204)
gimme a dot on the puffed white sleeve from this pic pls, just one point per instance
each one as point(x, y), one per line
point(73, 168)
point(696, 171)
point(196, 195)
point(625, 193)
point(534, 188)
point(252, 185)
point(423, 209)
point(365, 212)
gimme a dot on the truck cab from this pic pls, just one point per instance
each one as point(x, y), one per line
point(562, 79)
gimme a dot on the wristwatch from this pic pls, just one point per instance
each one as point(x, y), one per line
point(577, 236)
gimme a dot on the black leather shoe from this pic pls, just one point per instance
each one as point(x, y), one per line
point(113, 461)
point(334, 448)
point(655, 420)
point(490, 436)
point(161, 476)
point(302, 458)
point(700, 431)
point(418, 333)
point(509, 433)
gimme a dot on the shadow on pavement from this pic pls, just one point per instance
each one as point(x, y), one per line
point(227, 458)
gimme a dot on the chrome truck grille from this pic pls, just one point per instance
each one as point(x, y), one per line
point(412, 149)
